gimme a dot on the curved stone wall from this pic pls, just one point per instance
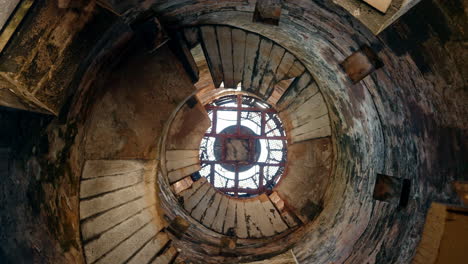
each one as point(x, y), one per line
point(406, 119)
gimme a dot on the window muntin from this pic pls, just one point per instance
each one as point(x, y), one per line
point(243, 153)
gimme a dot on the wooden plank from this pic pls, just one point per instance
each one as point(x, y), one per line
point(286, 215)
point(381, 5)
point(210, 48)
point(150, 249)
point(289, 219)
point(268, 80)
point(189, 192)
point(99, 168)
point(274, 217)
point(268, 11)
point(285, 66)
point(104, 243)
point(193, 200)
point(230, 220)
point(95, 186)
point(361, 63)
point(95, 226)
point(182, 185)
point(251, 48)
point(260, 66)
point(310, 110)
point(311, 125)
point(296, 69)
point(293, 91)
point(238, 57)
point(316, 129)
point(192, 36)
point(220, 215)
point(14, 22)
point(241, 224)
point(202, 206)
point(172, 165)
point(181, 154)
point(180, 48)
point(110, 200)
point(129, 246)
point(211, 211)
point(225, 50)
point(310, 91)
point(178, 174)
point(257, 222)
point(166, 257)
point(278, 90)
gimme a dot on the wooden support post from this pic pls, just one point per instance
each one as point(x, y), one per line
point(178, 226)
point(149, 30)
point(392, 189)
point(268, 11)
point(361, 63)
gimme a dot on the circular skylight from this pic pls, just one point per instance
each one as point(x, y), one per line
point(243, 153)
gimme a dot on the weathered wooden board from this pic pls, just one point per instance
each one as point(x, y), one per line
point(361, 63)
point(258, 224)
point(110, 200)
point(210, 48)
point(192, 202)
point(230, 220)
point(202, 206)
point(274, 217)
point(220, 215)
point(172, 165)
point(241, 224)
point(195, 186)
point(180, 173)
point(251, 49)
point(182, 185)
point(225, 50)
point(151, 249)
point(238, 53)
point(166, 257)
point(96, 225)
point(212, 209)
point(268, 11)
point(96, 186)
point(130, 245)
point(181, 154)
point(285, 66)
point(108, 240)
point(260, 66)
point(296, 69)
point(293, 91)
point(269, 78)
point(99, 168)
point(192, 36)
